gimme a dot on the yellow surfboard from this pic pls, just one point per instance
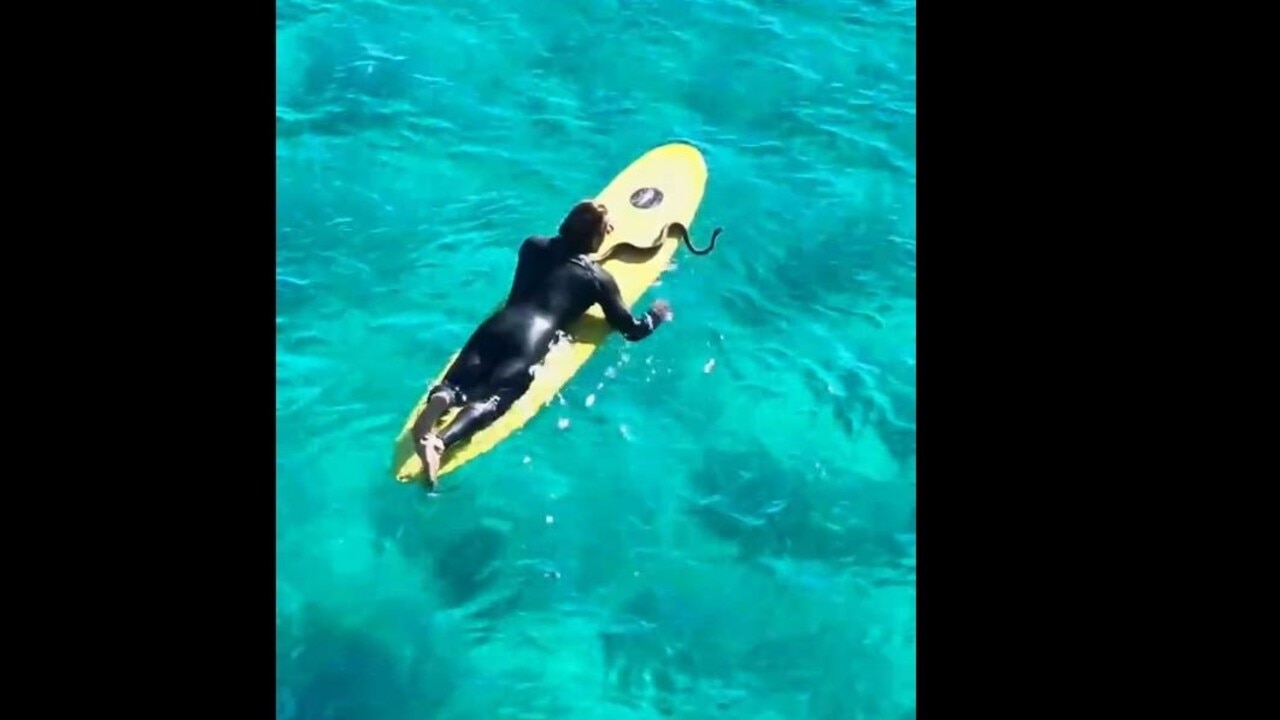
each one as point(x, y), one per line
point(651, 204)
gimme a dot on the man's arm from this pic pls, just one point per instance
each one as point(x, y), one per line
point(529, 266)
point(620, 319)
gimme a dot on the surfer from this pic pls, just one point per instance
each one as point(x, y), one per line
point(555, 283)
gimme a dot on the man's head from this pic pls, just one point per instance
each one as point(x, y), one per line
point(585, 227)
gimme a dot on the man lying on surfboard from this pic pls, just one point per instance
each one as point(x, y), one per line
point(556, 282)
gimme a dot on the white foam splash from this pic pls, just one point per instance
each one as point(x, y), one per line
point(591, 400)
point(711, 364)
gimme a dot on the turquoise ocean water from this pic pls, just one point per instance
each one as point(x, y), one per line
point(728, 528)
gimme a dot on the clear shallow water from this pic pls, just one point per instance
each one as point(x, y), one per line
point(727, 529)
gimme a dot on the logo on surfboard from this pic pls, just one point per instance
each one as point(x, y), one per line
point(646, 198)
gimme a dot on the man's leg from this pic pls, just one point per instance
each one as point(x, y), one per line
point(471, 418)
point(452, 391)
point(442, 397)
point(510, 383)
point(475, 417)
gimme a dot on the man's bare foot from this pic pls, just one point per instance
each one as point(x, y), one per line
point(430, 449)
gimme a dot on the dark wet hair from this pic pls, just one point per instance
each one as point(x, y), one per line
point(579, 227)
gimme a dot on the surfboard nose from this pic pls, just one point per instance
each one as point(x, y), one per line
point(683, 153)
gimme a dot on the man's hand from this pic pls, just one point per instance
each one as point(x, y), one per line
point(662, 309)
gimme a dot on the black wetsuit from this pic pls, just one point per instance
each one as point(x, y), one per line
point(550, 291)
